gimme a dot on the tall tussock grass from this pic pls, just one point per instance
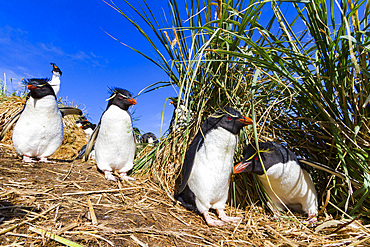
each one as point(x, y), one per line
point(302, 75)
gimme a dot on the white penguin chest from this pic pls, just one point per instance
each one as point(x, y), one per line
point(55, 84)
point(115, 143)
point(290, 182)
point(115, 126)
point(213, 164)
point(39, 130)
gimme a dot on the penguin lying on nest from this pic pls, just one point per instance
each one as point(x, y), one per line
point(208, 165)
point(38, 131)
point(114, 138)
point(288, 176)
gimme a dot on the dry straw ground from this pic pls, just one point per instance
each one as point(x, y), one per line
point(43, 204)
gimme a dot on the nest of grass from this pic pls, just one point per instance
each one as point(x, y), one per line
point(70, 203)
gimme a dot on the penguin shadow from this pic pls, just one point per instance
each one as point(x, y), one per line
point(10, 211)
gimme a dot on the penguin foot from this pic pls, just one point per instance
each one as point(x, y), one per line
point(28, 159)
point(109, 176)
point(312, 219)
point(225, 218)
point(125, 177)
point(212, 222)
point(44, 159)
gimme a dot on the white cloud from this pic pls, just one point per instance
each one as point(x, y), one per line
point(15, 48)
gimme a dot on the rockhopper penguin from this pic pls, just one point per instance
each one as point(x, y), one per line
point(180, 115)
point(115, 143)
point(149, 138)
point(86, 126)
point(289, 178)
point(208, 165)
point(55, 80)
point(39, 129)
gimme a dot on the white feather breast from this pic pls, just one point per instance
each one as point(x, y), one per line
point(39, 130)
point(115, 143)
point(292, 184)
point(55, 83)
point(213, 163)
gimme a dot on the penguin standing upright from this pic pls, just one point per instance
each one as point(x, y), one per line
point(55, 80)
point(208, 165)
point(115, 142)
point(288, 177)
point(39, 129)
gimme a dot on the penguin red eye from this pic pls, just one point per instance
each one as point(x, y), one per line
point(256, 158)
point(120, 97)
point(229, 118)
point(43, 88)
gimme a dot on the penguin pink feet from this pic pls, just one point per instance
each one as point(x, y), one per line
point(125, 177)
point(225, 218)
point(109, 176)
point(44, 159)
point(28, 159)
point(312, 219)
point(212, 222)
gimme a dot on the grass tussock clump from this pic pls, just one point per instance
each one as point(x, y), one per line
point(302, 77)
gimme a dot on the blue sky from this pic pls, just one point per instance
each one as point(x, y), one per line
point(70, 34)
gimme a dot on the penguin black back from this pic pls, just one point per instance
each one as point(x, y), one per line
point(121, 98)
point(271, 153)
point(39, 88)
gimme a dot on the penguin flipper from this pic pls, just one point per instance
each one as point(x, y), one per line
point(68, 110)
point(9, 124)
point(90, 143)
point(81, 153)
point(328, 170)
point(189, 160)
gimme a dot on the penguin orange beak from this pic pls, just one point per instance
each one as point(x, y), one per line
point(240, 167)
point(30, 87)
point(172, 102)
point(132, 101)
point(246, 120)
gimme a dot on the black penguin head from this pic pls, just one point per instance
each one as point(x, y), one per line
point(39, 88)
point(121, 98)
point(271, 154)
point(82, 120)
point(56, 69)
point(84, 124)
point(227, 118)
point(250, 162)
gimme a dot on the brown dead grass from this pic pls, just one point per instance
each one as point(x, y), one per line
point(71, 199)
